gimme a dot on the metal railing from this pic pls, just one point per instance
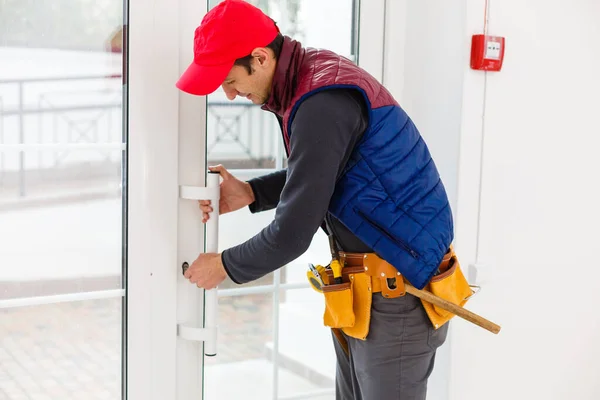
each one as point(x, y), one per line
point(44, 121)
point(70, 128)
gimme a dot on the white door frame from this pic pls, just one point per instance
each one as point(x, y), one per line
point(166, 148)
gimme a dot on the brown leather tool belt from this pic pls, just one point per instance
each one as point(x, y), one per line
point(385, 278)
point(348, 304)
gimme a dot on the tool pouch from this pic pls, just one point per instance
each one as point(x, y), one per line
point(339, 310)
point(363, 295)
point(450, 285)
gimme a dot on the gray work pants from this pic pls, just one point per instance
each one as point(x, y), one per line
point(396, 359)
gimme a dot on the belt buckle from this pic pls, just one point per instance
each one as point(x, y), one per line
point(392, 292)
point(392, 284)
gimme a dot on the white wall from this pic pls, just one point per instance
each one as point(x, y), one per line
point(425, 38)
point(540, 189)
point(539, 206)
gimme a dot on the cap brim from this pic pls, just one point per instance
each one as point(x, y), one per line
point(202, 80)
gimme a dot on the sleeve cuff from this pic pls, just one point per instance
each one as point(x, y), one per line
point(255, 206)
point(227, 270)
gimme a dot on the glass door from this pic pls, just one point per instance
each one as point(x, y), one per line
point(271, 340)
point(95, 142)
point(62, 214)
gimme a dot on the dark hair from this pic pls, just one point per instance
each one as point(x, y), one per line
point(275, 45)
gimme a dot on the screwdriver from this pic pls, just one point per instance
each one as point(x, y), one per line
point(335, 265)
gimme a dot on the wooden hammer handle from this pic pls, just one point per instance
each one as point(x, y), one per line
point(453, 308)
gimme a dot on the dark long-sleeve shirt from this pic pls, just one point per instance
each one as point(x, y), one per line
point(325, 129)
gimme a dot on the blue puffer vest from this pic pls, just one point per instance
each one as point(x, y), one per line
point(390, 194)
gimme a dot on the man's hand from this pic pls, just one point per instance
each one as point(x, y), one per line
point(234, 194)
point(207, 271)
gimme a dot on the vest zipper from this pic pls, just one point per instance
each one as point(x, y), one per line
point(406, 247)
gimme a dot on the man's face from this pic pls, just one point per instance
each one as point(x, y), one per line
point(255, 86)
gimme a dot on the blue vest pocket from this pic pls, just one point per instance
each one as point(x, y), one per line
point(394, 239)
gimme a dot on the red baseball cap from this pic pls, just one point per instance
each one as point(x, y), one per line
point(229, 31)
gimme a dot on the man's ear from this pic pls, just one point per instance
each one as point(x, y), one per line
point(262, 55)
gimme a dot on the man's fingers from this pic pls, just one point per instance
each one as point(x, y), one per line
point(216, 168)
point(193, 277)
point(206, 209)
point(197, 280)
point(206, 271)
point(221, 170)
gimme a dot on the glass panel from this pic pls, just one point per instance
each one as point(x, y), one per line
point(60, 147)
point(61, 351)
point(305, 348)
point(63, 235)
point(240, 134)
point(61, 174)
point(245, 329)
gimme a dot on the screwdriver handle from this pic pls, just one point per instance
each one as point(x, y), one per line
point(336, 268)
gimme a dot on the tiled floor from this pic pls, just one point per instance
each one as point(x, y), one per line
point(73, 350)
point(61, 351)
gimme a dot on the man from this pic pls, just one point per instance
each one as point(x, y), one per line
point(356, 166)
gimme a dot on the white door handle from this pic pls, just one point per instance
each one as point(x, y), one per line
point(208, 333)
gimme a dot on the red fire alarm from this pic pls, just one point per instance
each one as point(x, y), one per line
point(487, 52)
